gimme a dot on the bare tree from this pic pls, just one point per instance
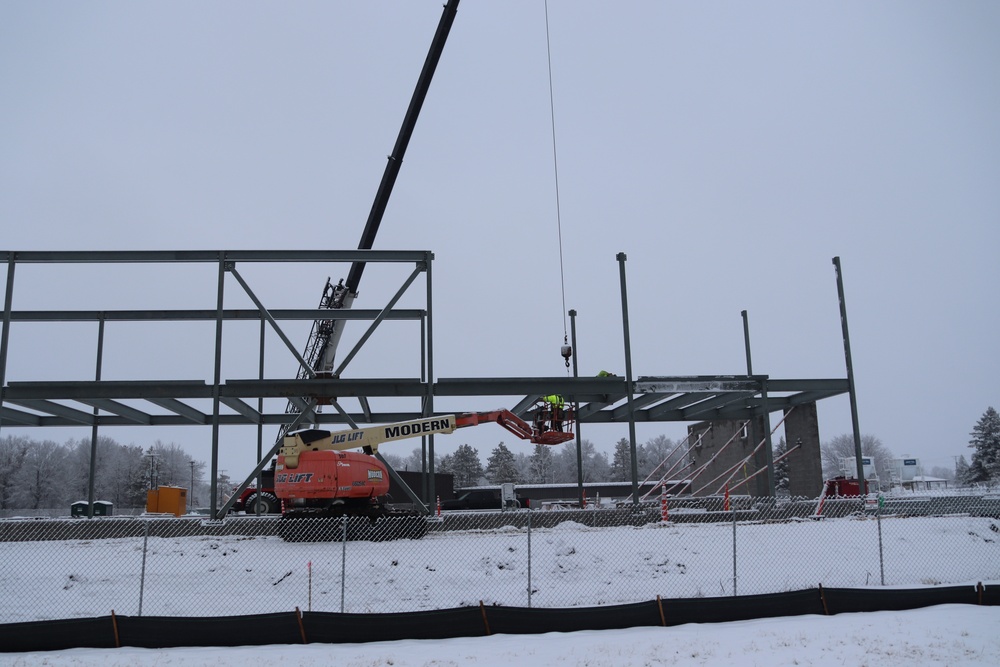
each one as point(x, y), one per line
point(541, 465)
point(838, 449)
point(42, 481)
point(13, 451)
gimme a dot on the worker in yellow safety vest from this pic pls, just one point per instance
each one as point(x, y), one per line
point(556, 402)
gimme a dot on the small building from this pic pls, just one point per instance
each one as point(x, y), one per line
point(101, 508)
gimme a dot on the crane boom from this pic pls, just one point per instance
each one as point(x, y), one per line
point(347, 291)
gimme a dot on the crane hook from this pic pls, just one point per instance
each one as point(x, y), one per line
point(566, 351)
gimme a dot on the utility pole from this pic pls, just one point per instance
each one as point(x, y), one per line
point(152, 470)
point(191, 494)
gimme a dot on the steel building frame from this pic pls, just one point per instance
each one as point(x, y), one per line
point(99, 403)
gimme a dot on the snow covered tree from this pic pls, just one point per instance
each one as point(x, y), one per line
point(662, 455)
point(500, 467)
point(962, 472)
point(415, 461)
point(42, 482)
point(173, 464)
point(465, 465)
point(985, 466)
point(595, 464)
point(621, 464)
point(121, 472)
point(781, 467)
point(13, 451)
point(541, 465)
point(842, 447)
point(395, 460)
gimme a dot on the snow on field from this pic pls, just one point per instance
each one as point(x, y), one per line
point(570, 565)
point(952, 635)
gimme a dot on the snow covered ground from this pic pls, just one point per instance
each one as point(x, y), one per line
point(570, 565)
point(953, 635)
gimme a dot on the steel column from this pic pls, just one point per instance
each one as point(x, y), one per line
point(746, 341)
point(576, 411)
point(429, 405)
point(628, 379)
point(217, 380)
point(5, 334)
point(850, 376)
point(93, 430)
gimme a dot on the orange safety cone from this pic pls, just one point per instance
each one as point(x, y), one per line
point(664, 511)
point(439, 505)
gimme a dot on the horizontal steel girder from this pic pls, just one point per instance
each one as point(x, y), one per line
point(602, 400)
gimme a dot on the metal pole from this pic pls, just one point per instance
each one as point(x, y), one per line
point(214, 503)
point(850, 377)
point(746, 341)
point(576, 411)
point(260, 411)
point(5, 334)
point(733, 507)
point(429, 405)
point(93, 430)
point(343, 566)
point(881, 557)
point(628, 380)
point(424, 490)
point(142, 573)
point(529, 557)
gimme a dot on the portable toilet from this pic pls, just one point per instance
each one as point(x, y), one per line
point(101, 508)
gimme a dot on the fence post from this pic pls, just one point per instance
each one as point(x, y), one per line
point(733, 507)
point(343, 565)
point(142, 573)
point(529, 558)
point(878, 519)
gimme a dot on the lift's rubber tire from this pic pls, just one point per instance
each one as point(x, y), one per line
point(269, 504)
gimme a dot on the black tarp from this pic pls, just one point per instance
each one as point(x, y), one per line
point(522, 620)
point(723, 609)
point(331, 628)
point(170, 631)
point(57, 635)
point(842, 600)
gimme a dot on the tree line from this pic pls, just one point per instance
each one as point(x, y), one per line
point(657, 456)
point(47, 475)
point(551, 465)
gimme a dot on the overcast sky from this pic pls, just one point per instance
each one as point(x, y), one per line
point(729, 149)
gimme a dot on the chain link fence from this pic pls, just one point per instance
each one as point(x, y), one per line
point(679, 548)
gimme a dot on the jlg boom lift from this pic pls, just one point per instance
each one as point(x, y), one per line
point(317, 475)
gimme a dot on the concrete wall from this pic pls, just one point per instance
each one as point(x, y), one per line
point(714, 444)
point(805, 465)
point(805, 470)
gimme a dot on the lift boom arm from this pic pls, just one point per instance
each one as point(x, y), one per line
point(369, 439)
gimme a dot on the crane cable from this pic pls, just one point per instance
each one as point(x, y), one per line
point(566, 350)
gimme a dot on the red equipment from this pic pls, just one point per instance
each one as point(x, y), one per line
point(316, 476)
